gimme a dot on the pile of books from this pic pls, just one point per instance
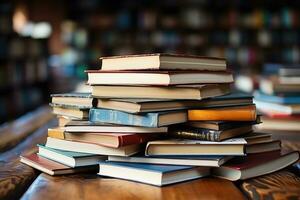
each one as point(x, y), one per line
point(159, 119)
point(278, 99)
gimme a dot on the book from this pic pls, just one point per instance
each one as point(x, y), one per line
point(263, 147)
point(222, 125)
point(82, 100)
point(257, 138)
point(158, 175)
point(186, 132)
point(155, 105)
point(208, 161)
point(69, 158)
point(82, 147)
point(240, 113)
point(76, 113)
point(254, 165)
point(155, 119)
point(159, 61)
point(183, 92)
point(276, 99)
point(273, 86)
point(63, 120)
point(96, 77)
point(268, 107)
point(114, 140)
point(95, 128)
point(184, 147)
point(279, 124)
point(289, 72)
point(54, 168)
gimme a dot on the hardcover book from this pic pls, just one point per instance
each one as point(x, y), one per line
point(81, 100)
point(72, 112)
point(186, 132)
point(208, 161)
point(254, 165)
point(183, 92)
point(96, 77)
point(263, 147)
point(158, 175)
point(163, 61)
point(69, 158)
point(241, 113)
point(91, 148)
point(157, 119)
point(184, 147)
point(53, 168)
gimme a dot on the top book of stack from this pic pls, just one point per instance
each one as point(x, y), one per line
point(163, 62)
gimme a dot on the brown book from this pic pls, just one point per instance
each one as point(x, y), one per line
point(256, 138)
point(263, 147)
point(161, 61)
point(186, 92)
point(163, 78)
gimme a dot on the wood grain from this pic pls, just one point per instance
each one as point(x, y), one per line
point(93, 187)
point(279, 185)
point(13, 133)
point(16, 177)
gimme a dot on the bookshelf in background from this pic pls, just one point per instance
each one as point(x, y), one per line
point(23, 69)
point(248, 34)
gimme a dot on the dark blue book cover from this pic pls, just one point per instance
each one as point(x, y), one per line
point(277, 99)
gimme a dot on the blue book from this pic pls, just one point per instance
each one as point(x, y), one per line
point(155, 119)
point(258, 95)
point(158, 175)
point(70, 158)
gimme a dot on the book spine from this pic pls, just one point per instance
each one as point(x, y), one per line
point(56, 133)
point(197, 134)
point(123, 118)
point(136, 139)
point(239, 114)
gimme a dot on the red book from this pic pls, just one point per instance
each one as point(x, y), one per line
point(113, 140)
point(253, 165)
point(54, 168)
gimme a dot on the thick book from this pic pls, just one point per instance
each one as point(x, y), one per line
point(163, 61)
point(267, 107)
point(263, 147)
point(207, 161)
point(114, 140)
point(257, 138)
point(96, 128)
point(254, 165)
point(183, 147)
point(96, 77)
point(155, 119)
point(158, 175)
point(273, 86)
point(186, 132)
point(183, 92)
point(54, 168)
point(276, 98)
point(72, 112)
point(240, 113)
point(81, 100)
point(69, 158)
point(91, 148)
point(156, 105)
point(223, 125)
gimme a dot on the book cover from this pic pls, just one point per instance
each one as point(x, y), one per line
point(119, 117)
point(242, 113)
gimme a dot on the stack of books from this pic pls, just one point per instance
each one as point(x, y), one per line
point(161, 119)
point(278, 99)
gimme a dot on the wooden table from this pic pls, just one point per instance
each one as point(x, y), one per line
point(20, 181)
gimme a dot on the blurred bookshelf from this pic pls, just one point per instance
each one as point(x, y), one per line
point(247, 33)
point(23, 69)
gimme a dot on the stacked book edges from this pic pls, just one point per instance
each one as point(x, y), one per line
point(159, 119)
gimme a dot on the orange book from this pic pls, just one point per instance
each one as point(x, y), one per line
point(56, 133)
point(242, 113)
